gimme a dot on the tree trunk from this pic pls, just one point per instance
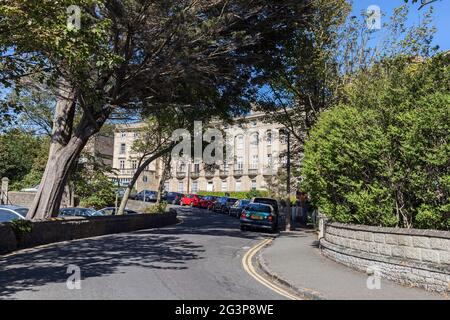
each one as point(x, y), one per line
point(48, 198)
point(164, 175)
point(65, 149)
point(136, 175)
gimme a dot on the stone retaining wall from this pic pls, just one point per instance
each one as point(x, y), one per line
point(45, 232)
point(410, 256)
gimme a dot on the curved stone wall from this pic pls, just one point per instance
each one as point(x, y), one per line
point(409, 256)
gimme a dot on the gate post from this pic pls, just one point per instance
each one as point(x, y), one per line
point(4, 191)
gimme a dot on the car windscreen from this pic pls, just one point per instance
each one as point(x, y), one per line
point(244, 203)
point(22, 211)
point(6, 216)
point(271, 202)
point(259, 208)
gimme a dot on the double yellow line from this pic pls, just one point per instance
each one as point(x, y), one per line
point(248, 266)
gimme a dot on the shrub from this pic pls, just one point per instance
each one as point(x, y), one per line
point(383, 158)
point(157, 208)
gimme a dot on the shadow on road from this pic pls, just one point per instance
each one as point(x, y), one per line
point(168, 248)
point(96, 257)
point(208, 223)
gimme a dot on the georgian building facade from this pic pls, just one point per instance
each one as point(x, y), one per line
point(125, 160)
point(257, 153)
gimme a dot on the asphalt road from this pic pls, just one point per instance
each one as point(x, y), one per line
point(199, 258)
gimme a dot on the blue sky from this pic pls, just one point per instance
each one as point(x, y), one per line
point(441, 16)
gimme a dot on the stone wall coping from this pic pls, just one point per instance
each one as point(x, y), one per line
point(444, 269)
point(400, 231)
point(71, 228)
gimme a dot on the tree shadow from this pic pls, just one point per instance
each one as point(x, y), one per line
point(169, 248)
point(96, 257)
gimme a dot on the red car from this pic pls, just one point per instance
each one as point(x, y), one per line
point(207, 202)
point(192, 200)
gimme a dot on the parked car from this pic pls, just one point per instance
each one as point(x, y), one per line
point(236, 209)
point(172, 197)
point(78, 212)
point(9, 213)
point(259, 216)
point(223, 204)
point(111, 211)
point(32, 189)
point(190, 200)
point(147, 196)
point(207, 202)
point(271, 202)
point(228, 204)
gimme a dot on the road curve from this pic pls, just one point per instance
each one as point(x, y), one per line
point(200, 258)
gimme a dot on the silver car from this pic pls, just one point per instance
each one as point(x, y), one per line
point(78, 212)
point(10, 213)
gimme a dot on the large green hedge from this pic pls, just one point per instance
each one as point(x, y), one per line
point(383, 158)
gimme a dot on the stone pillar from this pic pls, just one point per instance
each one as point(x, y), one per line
point(4, 191)
point(322, 225)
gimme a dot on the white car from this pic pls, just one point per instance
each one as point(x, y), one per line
point(10, 213)
point(32, 189)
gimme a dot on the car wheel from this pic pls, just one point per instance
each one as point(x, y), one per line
point(244, 228)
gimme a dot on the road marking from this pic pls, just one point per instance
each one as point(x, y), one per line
point(248, 266)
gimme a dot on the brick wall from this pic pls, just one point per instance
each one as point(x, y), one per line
point(410, 256)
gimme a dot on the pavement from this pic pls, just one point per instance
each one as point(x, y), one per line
point(199, 258)
point(294, 259)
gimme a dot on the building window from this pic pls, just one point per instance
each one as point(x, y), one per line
point(134, 164)
point(255, 140)
point(240, 142)
point(269, 160)
point(196, 167)
point(123, 135)
point(182, 167)
point(224, 185)
point(254, 184)
point(123, 148)
point(121, 164)
point(225, 165)
point(240, 163)
point(269, 137)
point(180, 186)
point(210, 186)
point(255, 162)
point(195, 186)
point(166, 186)
point(238, 185)
point(283, 138)
point(145, 179)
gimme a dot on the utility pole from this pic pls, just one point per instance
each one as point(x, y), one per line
point(289, 224)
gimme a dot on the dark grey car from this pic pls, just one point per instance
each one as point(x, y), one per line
point(236, 209)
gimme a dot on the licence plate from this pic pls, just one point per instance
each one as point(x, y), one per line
point(256, 217)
